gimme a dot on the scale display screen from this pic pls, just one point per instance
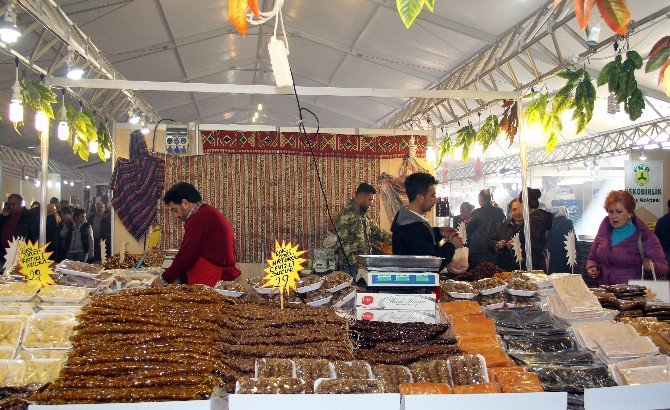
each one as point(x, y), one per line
point(403, 279)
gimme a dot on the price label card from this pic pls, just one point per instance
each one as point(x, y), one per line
point(283, 268)
point(35, 262)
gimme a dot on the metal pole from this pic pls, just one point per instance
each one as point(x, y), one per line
point(111, 193)
point(44, 148)
point(524, 183)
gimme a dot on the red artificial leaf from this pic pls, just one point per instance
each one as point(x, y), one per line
point(237, 13)
point(661, 73)
point(253, 5)
point(616, 14)
point(658, 55)
point(583, 12)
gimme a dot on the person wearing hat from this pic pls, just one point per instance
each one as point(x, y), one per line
point(356, 230)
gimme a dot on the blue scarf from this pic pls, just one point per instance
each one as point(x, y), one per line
point(622, 233)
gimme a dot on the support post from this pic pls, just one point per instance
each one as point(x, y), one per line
point(44, 153)
point(524, 182)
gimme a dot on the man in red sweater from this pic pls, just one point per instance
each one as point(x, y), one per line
point(207, 252)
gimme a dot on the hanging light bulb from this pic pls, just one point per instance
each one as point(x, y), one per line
point(133, 117)
point(107, 154)
point(260, 107)
point(65, 182)
point(37, 183)
point(643, 156)
point(74, 71)
point(9, 33)
point(16, 104)
point(71, 183)
point(50, 184)
point(41, 121)
point(63, 126)
point(253, 119)
point(430, 154)
point(145, 128)
point(93, 147)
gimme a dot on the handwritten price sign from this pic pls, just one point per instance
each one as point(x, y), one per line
point(34, 262)
point(283, 268)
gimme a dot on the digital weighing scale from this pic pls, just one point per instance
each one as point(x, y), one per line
point(398, 272)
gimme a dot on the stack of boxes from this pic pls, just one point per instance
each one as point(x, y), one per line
point(397, 308)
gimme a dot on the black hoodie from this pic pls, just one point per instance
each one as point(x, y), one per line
point(413, 236)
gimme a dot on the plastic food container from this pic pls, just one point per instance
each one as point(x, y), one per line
point(17, 291)
point(491, 291)
point(47, 330)
point(42, 371)
point(63, 294)
point(346, 299)
point(12, 372)
point(10, 331)
point(339, 287)
point(229, 293)
point(33, 354)
point(524, 293)
point(457, 295)
point(320, 302)
point(310, 288)
point(7, 353)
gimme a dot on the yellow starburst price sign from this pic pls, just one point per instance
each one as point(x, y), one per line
point(283, 268)
point(34, 262)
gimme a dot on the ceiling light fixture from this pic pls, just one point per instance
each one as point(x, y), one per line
point(16, 104)
point(63, 127)
point(74, 72)
point(9, 33)
point(71, 183)
point(643, 156)
point(145, 128)
point(260, 107)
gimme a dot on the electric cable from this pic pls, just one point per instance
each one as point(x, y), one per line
point(302, 130)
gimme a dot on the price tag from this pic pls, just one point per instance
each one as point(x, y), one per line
point(283, 268)
point(35, 262)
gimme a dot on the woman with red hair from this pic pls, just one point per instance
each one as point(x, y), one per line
point(624, 244)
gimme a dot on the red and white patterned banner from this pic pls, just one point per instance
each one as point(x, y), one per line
point(367, 146)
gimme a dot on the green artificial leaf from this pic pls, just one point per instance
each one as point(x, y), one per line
point(430, 4)
point(635, 105)
point(659, 53)
point(445, 148)
point(409, 10)
point(635, 57)
point(552, 141)
point(604, 76)
point(465, 137)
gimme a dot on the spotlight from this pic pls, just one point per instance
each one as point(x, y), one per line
point(41, 121)
point(74, 72)
point(9, 33)
point(133, 117)
point(65, 182)
point(88, 187)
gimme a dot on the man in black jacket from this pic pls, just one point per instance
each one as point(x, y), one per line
point(481, 228)
point(412, 233)
point(17, 221)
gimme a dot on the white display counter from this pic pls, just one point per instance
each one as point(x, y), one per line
point(500, 401)
point(638, 397)
point(215, 403)
point(387, 401)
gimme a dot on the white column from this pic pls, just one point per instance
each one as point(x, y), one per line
point(524, 183)
point(44, 152)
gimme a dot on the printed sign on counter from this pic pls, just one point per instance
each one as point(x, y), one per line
point(34, 262)
point(397, 316)
point(395, 301)
point(644, 180)
point(283, 268)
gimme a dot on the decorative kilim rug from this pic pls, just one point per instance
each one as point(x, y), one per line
point(340, 145)
point(392, 189)
point(268, 196)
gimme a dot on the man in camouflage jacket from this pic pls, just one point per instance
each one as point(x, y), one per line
point(356, 230)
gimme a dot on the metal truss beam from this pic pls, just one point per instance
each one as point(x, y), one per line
point(520, 46)
point(60, 35)
point(605, 144)
point(24, 159)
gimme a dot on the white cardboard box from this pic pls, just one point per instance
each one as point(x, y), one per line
point(396, 301)
point(397, 316)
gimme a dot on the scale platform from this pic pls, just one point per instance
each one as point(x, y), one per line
point(395, 279)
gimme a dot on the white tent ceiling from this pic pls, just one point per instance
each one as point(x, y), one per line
point(343, 43)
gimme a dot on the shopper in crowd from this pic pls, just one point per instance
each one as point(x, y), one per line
point(54, 201)
point(624, 246)
point(483, 224)
point(63, 231)
point(95, 219)
point(356, 230)
point(465, 215)
point(207, 253)
point(106, 232)
point(64, 203)
point(77, 236)
point(662, 231)
point(540, 223)
point(503, 240)
point(17, 221)
point(35, 204)
point(558, 254)
point(53, 219)
point(412, 233)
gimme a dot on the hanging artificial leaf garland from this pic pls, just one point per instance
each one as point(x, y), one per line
point(104, 141)
point(445, 147)
point(659, 58)
point(237, 13)
point(620, 79)
point(488, 132)
point(510, 120)
point(37, 95)
point(539, 111)
point(584, 99)
point(465, 137)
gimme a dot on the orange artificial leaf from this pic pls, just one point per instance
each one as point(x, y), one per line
point(237, 13)
point(661, 73)
point(583, 12)
point(253, 5)
point(616, 14)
